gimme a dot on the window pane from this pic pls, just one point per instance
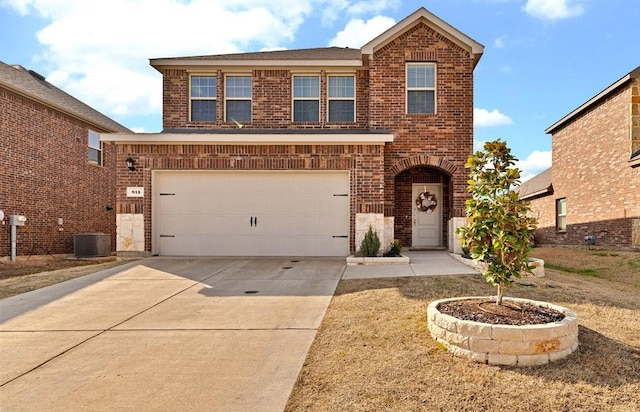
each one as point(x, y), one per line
point(94, 156)
point(306, 86)
point(421, 75)
point(203, 110)
point(239, 111)
point(561, 215)
point(562, 207)
point(94, 139)
point(341, 111)
point(420, 101)
point(306, 111)
point(204, 86)
point(562, 223)
point(238, 87)
point(341, 86)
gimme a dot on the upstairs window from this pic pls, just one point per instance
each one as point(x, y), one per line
point(306, 99)
point(238, 99)
point(421, 88)
point(95, 148)
point(204, 94)
point(561, 215)
point(341, 98)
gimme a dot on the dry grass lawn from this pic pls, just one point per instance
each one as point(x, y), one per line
point(30, 273)
point(373, 351)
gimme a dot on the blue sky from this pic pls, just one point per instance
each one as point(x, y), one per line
point(542, 58)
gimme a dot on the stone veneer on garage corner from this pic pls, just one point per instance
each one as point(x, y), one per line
point(526, 345)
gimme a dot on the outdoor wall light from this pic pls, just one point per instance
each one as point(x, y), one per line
point(130, 165)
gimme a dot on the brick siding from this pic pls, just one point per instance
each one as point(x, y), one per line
point(447, 135)
point(591, 170)
point(45, 175)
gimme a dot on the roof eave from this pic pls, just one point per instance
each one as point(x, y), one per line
point(538, 193)
point(247, 139)
point(593, 101)
point(59, 108)
point(175, 63)
point(476, 49)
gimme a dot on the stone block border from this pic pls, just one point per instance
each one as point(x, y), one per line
point(354, 260)
point(527, 345)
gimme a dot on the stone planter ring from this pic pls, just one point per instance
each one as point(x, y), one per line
point(525, 345)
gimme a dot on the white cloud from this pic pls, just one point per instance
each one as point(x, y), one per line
point(554, 9)
point(98, 50)
point(104, 61)
point(358, 32)
point(505, 69)
point(485, 118)
point(536, 162)
point(373, 6)
point(499, 42)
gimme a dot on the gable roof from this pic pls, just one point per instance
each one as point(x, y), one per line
point(423, 15)
point(329, 56)
point(538, 186)
point(634, 74)
point(33, 86)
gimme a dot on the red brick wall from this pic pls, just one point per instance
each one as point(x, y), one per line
point(271, 100)
point(447, 134)
point(45, 175)
point(591, 170)
point(364, 162)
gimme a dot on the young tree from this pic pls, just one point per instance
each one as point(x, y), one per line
point(499, 227)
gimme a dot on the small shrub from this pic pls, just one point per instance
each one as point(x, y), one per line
point(394, 249)
point(370, 244)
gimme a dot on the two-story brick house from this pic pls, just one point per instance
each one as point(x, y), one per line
point(54, 169)
point(592, 191)
point(297, 152)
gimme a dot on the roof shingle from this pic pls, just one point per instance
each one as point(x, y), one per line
point(32, 85)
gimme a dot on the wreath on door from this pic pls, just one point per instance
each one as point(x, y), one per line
point(426, 202)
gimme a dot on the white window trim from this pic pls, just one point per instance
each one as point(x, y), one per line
point(434, 88)
point(226, 98)
point(191, 98)
point(100, 149)
point(293, 98)
point(355, 116)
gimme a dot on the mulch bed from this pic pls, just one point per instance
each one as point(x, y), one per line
point(506, 314)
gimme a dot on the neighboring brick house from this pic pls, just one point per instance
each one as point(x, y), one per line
point(592, 190)
point(54, 169)
point(297, 152)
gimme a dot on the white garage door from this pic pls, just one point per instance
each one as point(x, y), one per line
point(251, 213)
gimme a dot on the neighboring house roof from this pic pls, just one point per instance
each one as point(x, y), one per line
point(33, 86)
point(538, 186)
point(635, 73)
point(329, 56)
point(476, 49)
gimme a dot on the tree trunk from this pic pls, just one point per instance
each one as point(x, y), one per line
point(501, 288)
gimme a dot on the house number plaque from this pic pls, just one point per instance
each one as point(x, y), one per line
point(135, 191)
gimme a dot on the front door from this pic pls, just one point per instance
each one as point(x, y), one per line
point(426, 215)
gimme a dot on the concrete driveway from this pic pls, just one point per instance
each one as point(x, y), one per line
point(165, 334)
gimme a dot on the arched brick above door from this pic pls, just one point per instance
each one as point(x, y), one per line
point(437, 162)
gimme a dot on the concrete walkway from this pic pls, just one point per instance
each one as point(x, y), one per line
point(422, 263)
point(175, 333)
